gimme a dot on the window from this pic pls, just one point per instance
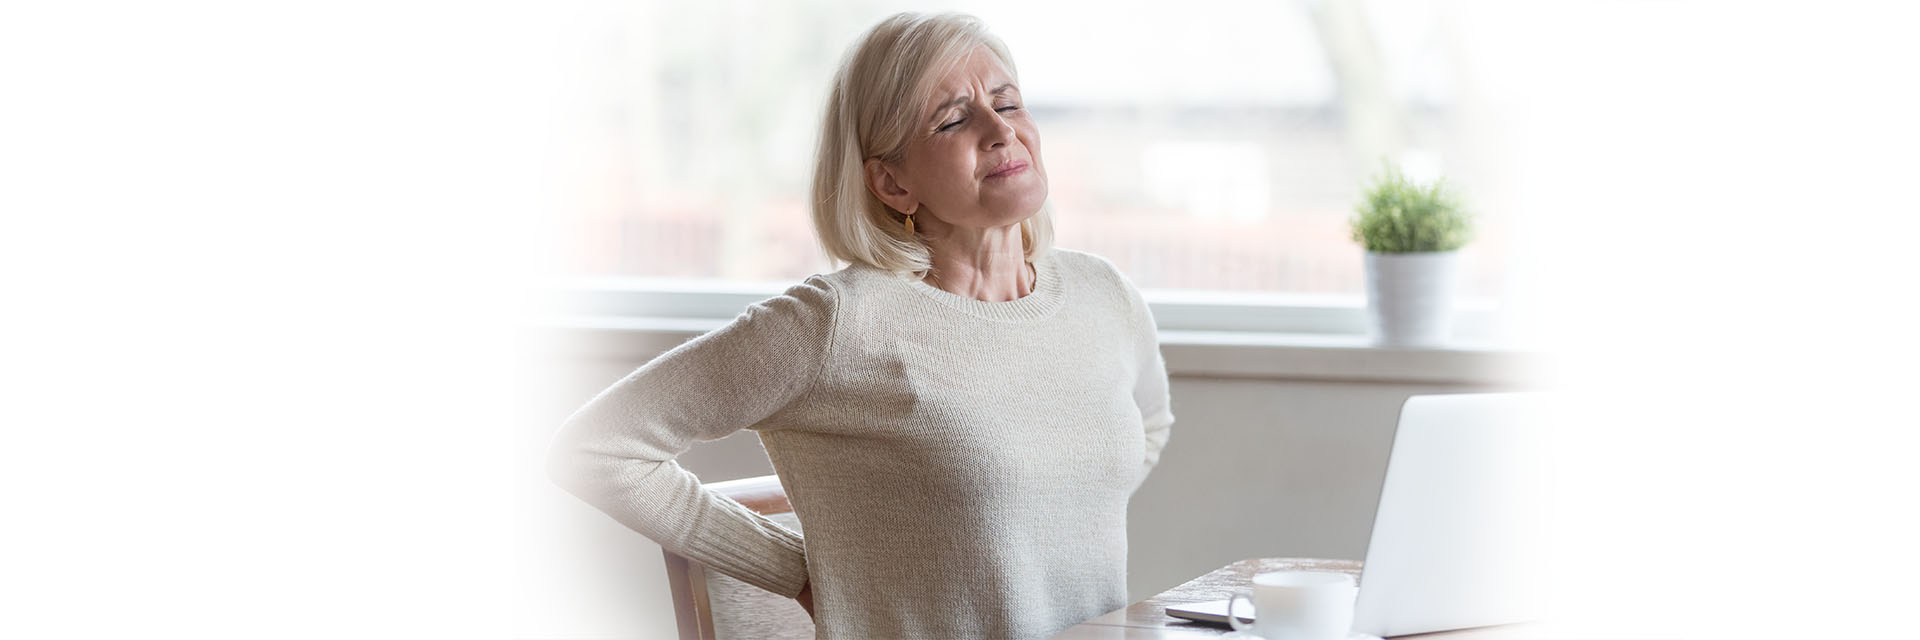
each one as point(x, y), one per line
point(1212, 148)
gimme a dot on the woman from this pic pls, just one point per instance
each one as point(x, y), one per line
point(959, 416)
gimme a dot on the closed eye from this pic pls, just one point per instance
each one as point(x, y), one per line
point(956, 123)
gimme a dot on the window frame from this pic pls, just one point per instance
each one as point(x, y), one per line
point(1313, 318)
point(1270, 337)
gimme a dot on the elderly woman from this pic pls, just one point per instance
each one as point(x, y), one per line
point(958, 417)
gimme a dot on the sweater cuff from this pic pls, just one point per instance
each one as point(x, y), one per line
point(752, 549)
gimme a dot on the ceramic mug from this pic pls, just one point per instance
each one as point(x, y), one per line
point(1298, 605)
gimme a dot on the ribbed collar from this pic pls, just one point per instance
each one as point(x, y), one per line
point(1042, 302)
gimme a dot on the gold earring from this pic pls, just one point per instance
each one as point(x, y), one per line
point(909, 224)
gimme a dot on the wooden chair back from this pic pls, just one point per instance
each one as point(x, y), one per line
point(709, 605)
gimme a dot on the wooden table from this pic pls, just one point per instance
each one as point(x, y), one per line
point(1148, 619)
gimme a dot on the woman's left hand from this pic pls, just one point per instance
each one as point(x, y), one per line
point(806, 597)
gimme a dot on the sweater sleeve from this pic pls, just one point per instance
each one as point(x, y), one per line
point(1150, 388)
point(617, 452)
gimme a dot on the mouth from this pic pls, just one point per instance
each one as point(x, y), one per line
point(1011, 168)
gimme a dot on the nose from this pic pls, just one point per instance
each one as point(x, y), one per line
point(999, 132)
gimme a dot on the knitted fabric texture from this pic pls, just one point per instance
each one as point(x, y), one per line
point(962, 468)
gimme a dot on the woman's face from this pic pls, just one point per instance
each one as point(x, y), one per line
point(974, 160)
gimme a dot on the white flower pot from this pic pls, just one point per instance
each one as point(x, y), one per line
point(1410, 297)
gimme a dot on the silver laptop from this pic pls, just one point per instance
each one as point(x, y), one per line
point(1459, 536)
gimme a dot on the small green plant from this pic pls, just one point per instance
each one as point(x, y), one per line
point(1399, 216)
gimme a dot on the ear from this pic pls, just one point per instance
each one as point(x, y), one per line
point(881, 182)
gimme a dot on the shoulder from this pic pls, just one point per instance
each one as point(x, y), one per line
point(1096, 272)
point(850, 284)
point(815, 294)
point(1084, 263)
point(1108, 287)
point(806, 307)
point(826, 296)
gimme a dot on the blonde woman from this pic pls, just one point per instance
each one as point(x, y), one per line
point(959, 416)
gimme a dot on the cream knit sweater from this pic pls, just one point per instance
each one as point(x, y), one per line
point(962, 468)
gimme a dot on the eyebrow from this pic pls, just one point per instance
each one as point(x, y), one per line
point(937, 111)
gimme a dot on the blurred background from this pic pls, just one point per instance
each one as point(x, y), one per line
point(1217, 145)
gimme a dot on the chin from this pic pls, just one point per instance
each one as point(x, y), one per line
point(1018, 209)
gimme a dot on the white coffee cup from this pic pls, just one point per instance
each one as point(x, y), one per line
point(1298, 605)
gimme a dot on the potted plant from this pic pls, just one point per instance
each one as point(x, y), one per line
point(1412, 235)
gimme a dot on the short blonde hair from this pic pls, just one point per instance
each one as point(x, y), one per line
point(884, 81)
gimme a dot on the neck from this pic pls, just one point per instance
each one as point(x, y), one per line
point(989, 265)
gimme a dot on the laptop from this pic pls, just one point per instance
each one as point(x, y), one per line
point(1459, 536)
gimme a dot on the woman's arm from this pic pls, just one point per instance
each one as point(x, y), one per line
point(617, 452)
point(1150, 393)
point(1150, 387)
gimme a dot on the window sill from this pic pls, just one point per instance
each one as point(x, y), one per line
point(1338, 357)
point(1203, 354)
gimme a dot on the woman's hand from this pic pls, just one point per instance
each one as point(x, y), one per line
point(806, 597)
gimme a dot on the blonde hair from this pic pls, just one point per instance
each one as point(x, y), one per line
point(883, 82)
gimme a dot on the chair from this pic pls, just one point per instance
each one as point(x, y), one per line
point(714, 606)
